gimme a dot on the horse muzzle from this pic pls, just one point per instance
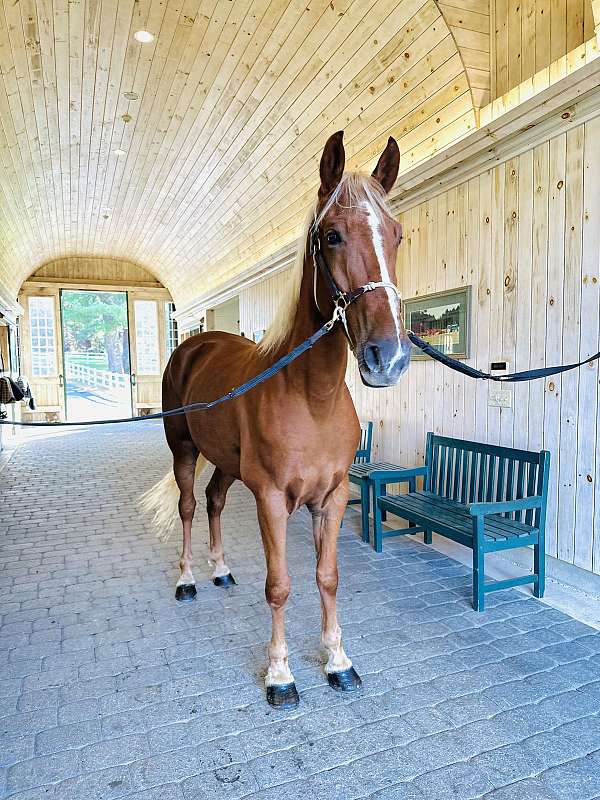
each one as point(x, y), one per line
point(383, 361)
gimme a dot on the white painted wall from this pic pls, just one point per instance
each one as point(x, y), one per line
point(225, 317)
point(526, 236)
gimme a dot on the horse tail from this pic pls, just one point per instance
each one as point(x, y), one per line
point(162, 500)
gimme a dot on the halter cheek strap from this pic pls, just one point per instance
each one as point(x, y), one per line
point(341, 299)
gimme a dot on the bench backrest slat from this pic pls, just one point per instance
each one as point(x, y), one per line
point(473, 472)
point(363, 454)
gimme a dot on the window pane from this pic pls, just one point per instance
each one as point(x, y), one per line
point(43, 342)
point(172, 337)
point(146, 337)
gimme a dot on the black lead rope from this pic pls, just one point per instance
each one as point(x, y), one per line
point(280, 364)
point(514, 377)
point(341, 302)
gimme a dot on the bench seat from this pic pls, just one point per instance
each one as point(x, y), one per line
point(454, 520)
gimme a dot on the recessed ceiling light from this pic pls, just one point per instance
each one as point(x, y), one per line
point(119, 152)
point(131, 96)
point(145, 37)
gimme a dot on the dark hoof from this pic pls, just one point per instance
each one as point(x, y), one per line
point(224, 580)
point(185, 593)
point(346, 681)
point(284, 696)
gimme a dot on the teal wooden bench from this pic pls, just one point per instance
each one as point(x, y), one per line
point(373, 477)
point(485, 497)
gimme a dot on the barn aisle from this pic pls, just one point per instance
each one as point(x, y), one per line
point(110, 690)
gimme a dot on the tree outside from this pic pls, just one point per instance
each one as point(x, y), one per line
point(95, 324)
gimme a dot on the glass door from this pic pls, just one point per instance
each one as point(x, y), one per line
point(42, 351)
point(148, 349)
point(95, 334)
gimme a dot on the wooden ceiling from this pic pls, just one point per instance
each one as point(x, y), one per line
point(235, 100)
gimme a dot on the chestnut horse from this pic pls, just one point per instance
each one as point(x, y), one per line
point(292, 439)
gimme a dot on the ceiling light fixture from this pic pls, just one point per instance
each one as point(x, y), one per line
point(131, 96)
point(145, 37)
point(119, 152)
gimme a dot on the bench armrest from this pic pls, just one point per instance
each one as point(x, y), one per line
point(525, 503)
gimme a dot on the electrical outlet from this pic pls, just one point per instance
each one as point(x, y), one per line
point(500, 398)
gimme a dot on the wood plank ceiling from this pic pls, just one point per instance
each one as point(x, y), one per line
point(194, 155)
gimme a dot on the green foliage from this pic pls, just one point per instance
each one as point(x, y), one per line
point(96, 320)
point(88, 315)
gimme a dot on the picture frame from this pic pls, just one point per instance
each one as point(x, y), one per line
point(443, 319)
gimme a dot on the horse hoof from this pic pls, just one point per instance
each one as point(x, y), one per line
point(284, 696)
point(346, 681)
point(185, 593)
point(224, 580)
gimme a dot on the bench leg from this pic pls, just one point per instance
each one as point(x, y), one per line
point(539, 566)
point(382, 493)
point(377, 529)
point(364, 508)
point(427, 537)
point(478, 565)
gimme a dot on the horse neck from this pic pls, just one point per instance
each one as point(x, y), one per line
point(320, 372)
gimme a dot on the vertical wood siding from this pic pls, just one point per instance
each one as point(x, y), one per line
point(526, 236)
point(530, 34)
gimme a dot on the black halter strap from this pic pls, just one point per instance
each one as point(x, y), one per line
point(341, 299)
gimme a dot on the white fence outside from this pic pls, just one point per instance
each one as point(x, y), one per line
point(90, 376)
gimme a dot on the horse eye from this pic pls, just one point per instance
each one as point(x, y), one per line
point(333, 237)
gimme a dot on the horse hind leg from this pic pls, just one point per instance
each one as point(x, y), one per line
point(185, 469)
point(216, 493)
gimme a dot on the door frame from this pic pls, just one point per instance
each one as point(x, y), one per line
point(63, 289)
point(51, 287)
point(57, 380)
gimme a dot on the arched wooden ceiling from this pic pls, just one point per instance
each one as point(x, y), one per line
point(221, 149)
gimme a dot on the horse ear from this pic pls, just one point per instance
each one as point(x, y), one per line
point(332, 164)
point(388, 165)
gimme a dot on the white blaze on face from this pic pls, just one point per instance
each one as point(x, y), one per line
point(385, 275)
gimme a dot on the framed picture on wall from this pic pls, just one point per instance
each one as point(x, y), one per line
point(442, 319)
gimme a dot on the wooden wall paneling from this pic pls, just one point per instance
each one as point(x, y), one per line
point(509, 283)
point(482, 304)
point(472, 280)
point(528, 20)
point(554, 325)
point(524, 278)
point(558, 28)
point(550, 251)
point(575, 20)
point(502, 22)
point(532, 36)
point(571, 323)
point(496, 286)
point(588, 376)
point(450, 270)
point(431, 383)
point(459, 279)
point(538, 293)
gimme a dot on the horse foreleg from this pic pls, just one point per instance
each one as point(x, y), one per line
point(216, 492)
point(184, 470)
point(279, 681)
point(340, 673)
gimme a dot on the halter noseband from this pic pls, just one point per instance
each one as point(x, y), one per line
point(341, 299)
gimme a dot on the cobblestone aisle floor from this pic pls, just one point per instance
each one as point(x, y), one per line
point(111, 690)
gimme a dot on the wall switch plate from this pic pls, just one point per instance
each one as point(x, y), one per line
point(500, 398)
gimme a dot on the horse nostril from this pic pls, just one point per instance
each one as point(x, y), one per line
point(373, 357)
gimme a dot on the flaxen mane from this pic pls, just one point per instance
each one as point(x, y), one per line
point(353, 191)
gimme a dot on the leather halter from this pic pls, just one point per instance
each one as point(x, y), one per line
point(341, 299)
